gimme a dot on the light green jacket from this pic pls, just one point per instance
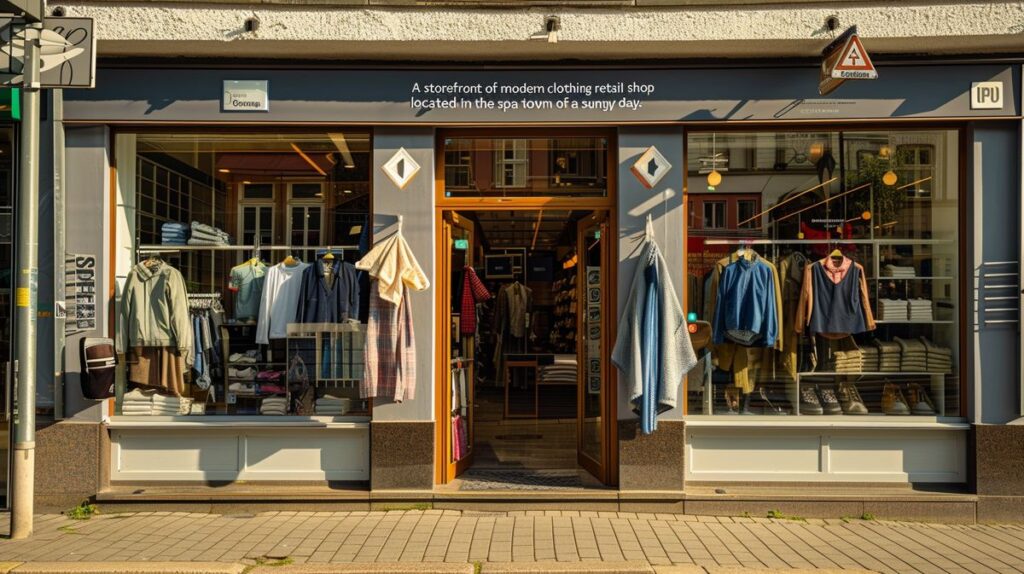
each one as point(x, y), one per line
point(154, 310)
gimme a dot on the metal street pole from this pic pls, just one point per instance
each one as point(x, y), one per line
point(26, 294)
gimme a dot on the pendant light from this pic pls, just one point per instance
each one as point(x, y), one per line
point(714, 178)
point(889, 177)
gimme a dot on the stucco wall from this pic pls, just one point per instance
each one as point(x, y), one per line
point(387, 32)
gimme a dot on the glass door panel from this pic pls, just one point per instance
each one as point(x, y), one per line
point(592, 332)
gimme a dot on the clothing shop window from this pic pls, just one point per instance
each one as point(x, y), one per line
point(836, 289)
point(249, 239)
point(526, 167)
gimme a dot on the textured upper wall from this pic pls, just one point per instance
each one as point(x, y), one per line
point(442, 33)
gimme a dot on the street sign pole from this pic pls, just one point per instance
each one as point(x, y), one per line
point(26, 294)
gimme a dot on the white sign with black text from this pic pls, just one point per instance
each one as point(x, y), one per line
point(987, 96)
point(246, 96)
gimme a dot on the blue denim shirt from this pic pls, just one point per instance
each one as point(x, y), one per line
point(745, 310)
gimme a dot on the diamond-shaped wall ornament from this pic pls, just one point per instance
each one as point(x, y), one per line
point(401, 168)
point(651, 167)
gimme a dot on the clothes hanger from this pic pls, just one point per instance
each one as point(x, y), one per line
point(290, 261)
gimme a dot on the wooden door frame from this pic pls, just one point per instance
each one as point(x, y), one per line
point(443, 204)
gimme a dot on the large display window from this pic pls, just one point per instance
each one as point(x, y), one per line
point(237, 289)
point(828, 266)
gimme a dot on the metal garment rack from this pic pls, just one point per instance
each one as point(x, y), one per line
point(154, 249)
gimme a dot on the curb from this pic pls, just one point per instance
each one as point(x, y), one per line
point(126, 568)
point(368, 568)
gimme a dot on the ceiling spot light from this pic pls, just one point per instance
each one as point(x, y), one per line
point(224, 170)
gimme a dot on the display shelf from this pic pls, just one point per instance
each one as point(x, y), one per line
point(915, 278)
point(933, 322)
point(866, 374)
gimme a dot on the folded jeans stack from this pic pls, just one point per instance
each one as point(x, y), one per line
point(274, 406)
point(940, 359)
point(138, 402)
point(893, 309)
point(921, 311)
point(203, 234)
point(840, 356)
point(913, 355)
point(174, 233)
point(329, 405)
point(888, 356)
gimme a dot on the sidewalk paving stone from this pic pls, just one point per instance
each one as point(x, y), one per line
point(451, 541)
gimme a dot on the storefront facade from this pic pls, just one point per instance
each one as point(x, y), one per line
point(915, 186)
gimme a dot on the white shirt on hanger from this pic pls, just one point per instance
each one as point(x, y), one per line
point(279, 301)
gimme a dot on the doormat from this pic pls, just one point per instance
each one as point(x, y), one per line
point(519, 479)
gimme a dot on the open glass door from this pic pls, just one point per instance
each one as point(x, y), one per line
point(593, 344)
point(457, 347)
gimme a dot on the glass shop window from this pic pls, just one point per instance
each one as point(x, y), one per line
point(870, 217)
point(254, 234)
point(525, 167)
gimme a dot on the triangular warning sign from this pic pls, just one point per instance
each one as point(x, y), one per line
point(854, 57)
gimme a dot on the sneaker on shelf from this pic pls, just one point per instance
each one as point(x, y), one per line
point(246, 373)
point(922, 403)
point(849, 399)
point(246, 358)
point(829, 402)
point(809, 403)
point(893, 402)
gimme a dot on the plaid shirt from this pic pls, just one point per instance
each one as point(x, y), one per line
point(473, 292)
point(390, 351)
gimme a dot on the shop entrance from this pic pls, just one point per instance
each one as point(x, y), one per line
point(524, 342)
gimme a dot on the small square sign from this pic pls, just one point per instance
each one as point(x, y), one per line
point(987, 96)
point(246, 96)
point(401, 168)
point(651, 167)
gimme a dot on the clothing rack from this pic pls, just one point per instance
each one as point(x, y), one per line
point(155, 249)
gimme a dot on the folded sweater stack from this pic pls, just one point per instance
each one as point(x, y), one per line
point(893, 310)
point(913, 355)
point(563, 371)
point(203, 234)
point(921, 311)
point(888, 357)
point(138, 402)
point(940, 359)
point(869, 359)
point(898, 271)
point(333, 406)
point(274, 406)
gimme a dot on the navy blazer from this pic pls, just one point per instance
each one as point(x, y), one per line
point(320, 304)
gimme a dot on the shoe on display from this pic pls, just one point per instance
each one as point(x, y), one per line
point(829, 402)
point(809, 403)
point(893, 402)
point(849, 399)
point(245, 374)
point(922, 403)
point(246, 358)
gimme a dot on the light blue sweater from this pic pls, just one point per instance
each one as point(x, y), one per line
point(653, 351)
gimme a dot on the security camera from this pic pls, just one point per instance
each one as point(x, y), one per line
point(59, 11)
point(552, 24)
point(832, 23)
point(252, 24)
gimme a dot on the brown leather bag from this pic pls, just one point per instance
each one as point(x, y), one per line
point(99, 365)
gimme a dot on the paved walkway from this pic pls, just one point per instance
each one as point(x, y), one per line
point(532, 536)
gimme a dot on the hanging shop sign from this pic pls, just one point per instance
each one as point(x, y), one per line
point(845, 59)
point(401, 168)
point(67, 53)
point(79, 293)
point(651, 167)
point(246, 96)
point(987, 96)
